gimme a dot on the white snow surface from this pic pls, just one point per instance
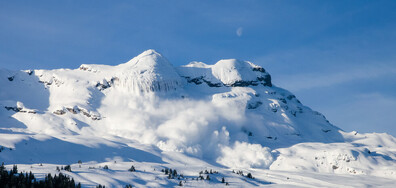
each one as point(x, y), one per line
point(147, 113)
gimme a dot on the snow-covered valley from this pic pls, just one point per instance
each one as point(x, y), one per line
point(227, 117)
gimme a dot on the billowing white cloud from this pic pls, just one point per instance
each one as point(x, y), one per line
point(239, 31)
point(245, 155)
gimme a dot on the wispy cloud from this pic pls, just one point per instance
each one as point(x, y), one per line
point(367, 112)
point(316, 80)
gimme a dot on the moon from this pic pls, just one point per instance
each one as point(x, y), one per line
point(239, 31)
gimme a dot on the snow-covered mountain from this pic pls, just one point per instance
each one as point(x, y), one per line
point(146, 112)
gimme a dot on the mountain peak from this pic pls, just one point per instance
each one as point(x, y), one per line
point(149, 71)
point(149, 52)
point(149, 58)
point(227, 72)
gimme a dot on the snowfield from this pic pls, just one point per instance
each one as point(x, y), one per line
point(227, 119)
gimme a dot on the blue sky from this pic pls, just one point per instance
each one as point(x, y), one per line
point(338, 57)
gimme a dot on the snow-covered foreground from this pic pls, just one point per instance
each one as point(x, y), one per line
point(150, 175)
point(302, 165)
point(149, 114)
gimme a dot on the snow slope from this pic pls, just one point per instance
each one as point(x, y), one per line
point(150, 114)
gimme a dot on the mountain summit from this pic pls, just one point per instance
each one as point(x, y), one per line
point(227, 116)
point(147, 72)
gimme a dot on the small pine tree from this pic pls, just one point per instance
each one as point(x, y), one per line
point(132, 169)
point(222, 180)
point(14, 169)
point(2, 167)
point(106, 167)
point(68, 168)
point(249, 175)
point(207, 177)
point(180, 183)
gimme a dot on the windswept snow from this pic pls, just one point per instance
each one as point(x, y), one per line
point(227, 116)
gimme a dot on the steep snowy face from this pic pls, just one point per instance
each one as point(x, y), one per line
point(148, 72)
point(229, 73)
point(147, 99)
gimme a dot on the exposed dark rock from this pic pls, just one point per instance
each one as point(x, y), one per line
point(11, 78)
point(102, 87)
point(20, 110)
point(77, 110)
point(290, 97)
point(197, 80)
point(259, 69)
point(73, 110)
point(254, 105)
point(30, 72)
point(114, 79)
point(242, 83)
point(83, 68)
point(46, 83)
point(200, 80)
point(86, 114)
point(265, 81)
point(96, 118)
point(283, 100)
point(210, 84)
point(15, 109)
point(59, 112)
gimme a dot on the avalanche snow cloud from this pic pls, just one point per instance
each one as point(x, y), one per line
point(228, 114)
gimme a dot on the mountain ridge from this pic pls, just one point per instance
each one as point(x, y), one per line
point(227, 115)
